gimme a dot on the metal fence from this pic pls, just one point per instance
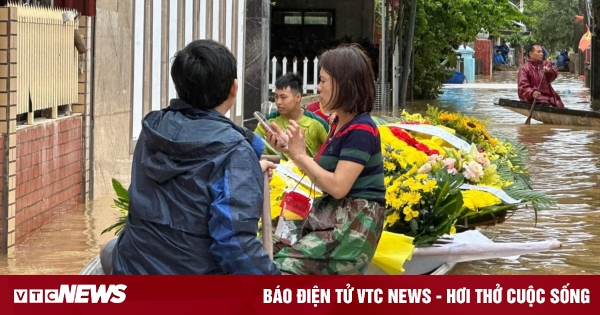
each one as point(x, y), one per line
point(47, 61)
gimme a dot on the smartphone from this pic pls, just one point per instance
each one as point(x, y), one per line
point(263, 121)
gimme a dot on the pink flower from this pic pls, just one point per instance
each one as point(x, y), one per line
point(434, 158)
point(473, 171)
point(483, 160)
point(449, 164)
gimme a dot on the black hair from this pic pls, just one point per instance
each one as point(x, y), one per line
point(531, 48)
point(203, 73)
point(353, 80)
point(292, 80)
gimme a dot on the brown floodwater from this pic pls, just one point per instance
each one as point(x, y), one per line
point(564, 163)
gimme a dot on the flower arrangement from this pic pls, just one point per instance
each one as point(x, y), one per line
point(511, 174)
point(426, 177)
point(420, 203)
point(491, 164)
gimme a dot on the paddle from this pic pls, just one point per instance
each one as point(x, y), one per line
point(528, 121)
point(267, 229)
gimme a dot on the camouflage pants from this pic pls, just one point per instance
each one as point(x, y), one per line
point(339, 237)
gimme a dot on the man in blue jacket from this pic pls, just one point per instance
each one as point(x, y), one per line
point(498, 59)
point(562, 61)
point(196, 189)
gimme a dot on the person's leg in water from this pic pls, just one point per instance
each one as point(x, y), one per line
point(106, 255)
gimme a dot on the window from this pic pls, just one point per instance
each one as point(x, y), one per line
point(298, 17)
point(318, 18)
point(301, 26)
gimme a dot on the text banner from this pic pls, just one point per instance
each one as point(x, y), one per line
point(298, 294)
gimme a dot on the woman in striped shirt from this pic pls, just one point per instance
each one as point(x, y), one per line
point(344, 226)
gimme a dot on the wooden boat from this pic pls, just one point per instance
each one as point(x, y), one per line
point(438, 259)
point(499, 67)
point(552, 115)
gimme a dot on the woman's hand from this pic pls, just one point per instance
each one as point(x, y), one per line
point(267, 166)
point(296, 144)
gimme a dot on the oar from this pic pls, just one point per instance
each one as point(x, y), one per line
point(267, 228)
point(528, 121)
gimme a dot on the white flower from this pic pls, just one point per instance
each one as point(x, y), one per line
point(426, 168)
point(473, 171)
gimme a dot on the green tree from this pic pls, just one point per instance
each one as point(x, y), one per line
point(552, 22)
point(442, 26)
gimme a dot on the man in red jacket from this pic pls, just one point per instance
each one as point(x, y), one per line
point(530, 76)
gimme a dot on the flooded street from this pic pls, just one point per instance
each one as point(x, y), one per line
point(564, 163)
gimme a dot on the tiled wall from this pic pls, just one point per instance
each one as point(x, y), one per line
point(1, 174)
point(49, 172)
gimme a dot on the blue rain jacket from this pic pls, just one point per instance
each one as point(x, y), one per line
point(562, 59)
point(196, 197)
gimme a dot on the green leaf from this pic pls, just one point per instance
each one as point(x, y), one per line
point(120, 190)
point(121, 203)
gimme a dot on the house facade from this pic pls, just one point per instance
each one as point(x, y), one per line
point(65, 136)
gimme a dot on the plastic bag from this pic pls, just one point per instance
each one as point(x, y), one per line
point(392, 252)
point(295, 207)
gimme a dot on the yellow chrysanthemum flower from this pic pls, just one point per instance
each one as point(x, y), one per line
point(389, 166)
point(429, 186)
point(411, 198)
point(392, 218)
point(397, 203)
point(448, 117)
point(413, 184)
point(421, 177)
point(476, 199)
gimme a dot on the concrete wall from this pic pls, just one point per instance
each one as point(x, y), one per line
point(352, 17)
point(135, 41)
point(112, 70)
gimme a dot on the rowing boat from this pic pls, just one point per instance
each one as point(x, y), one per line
point(552, 115)
point(438, 259)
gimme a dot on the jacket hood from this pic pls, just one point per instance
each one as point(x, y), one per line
point(179, 138)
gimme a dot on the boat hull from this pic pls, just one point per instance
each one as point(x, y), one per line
point(418, 267)
point(438, 259)
point(553, 115)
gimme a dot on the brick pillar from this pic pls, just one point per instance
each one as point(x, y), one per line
point(83, 104)
point(483, 51)
point(8, 123)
